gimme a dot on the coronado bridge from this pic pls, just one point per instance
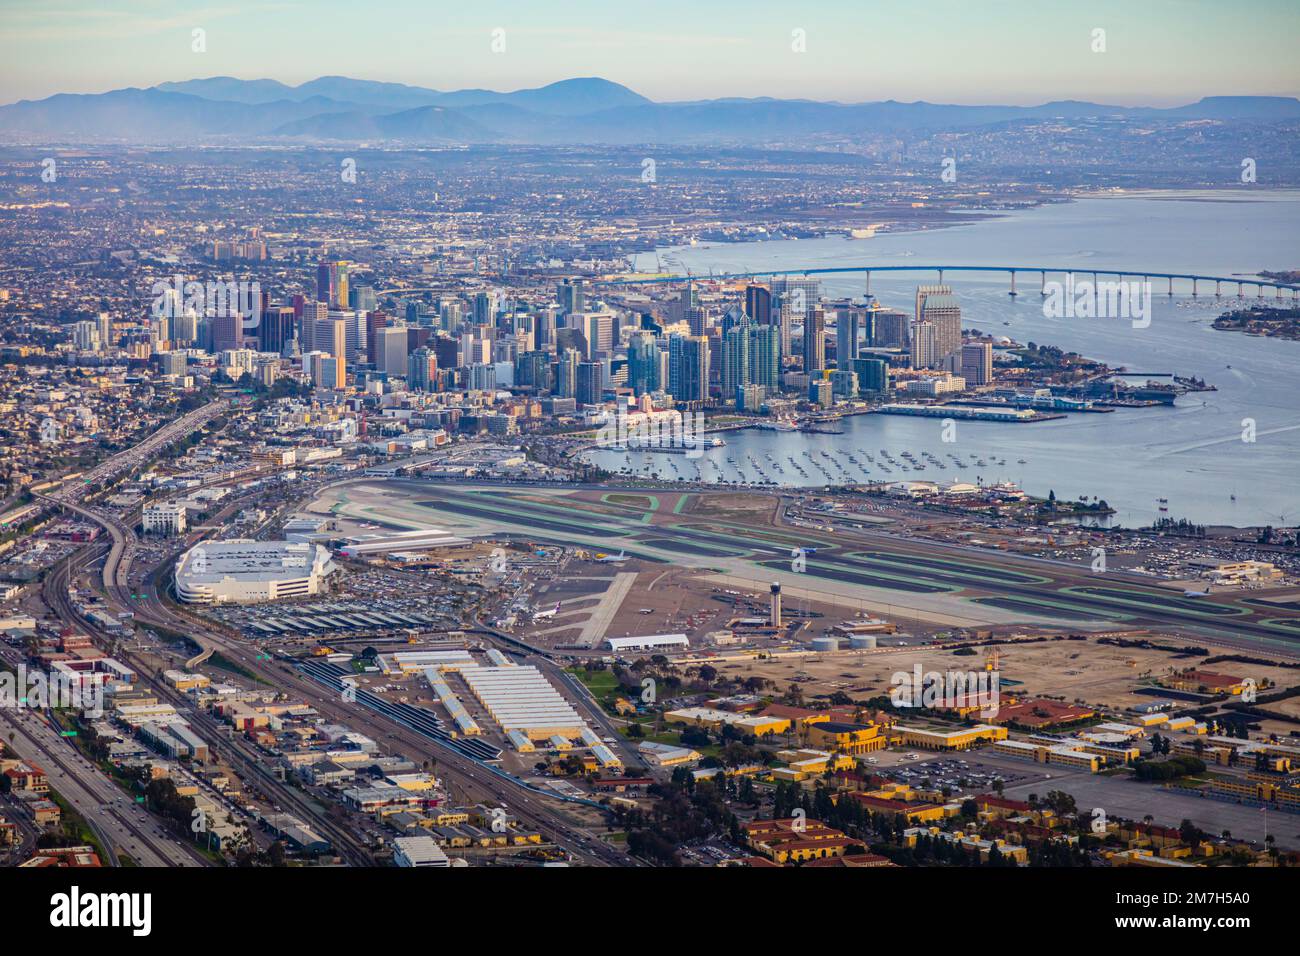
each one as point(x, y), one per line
point(1196, 280)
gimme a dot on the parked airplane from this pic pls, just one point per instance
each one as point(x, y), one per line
point(612, 558)
point(542, 615)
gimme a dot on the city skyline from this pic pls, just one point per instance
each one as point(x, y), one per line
point(1010, 53)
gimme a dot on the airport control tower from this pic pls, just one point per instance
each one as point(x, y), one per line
point(776, 604)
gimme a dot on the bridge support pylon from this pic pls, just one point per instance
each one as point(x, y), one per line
point(1217, 293)
point(1042, 283)
point(1013, 283)
point(868, 283)
point(1171, 286)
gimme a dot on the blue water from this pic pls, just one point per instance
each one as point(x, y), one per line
point(1191, 454)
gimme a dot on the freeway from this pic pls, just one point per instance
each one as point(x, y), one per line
point(121, 825)
point(140, 453)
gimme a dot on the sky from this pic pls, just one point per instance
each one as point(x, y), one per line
point(1156, 52)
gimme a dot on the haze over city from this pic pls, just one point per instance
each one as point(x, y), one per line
point(950, 51)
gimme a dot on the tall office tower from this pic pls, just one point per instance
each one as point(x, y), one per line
point(85, 336)
point(447, 350)
point(689, 298)
point(481, 377)
point(173, 363)
point(590, 388)
point(332, 283)
point(333, 372)
point(485, 307)
point(474, 349)
point(848, 325)
point(361, 298)
point(873, 374)
point(451, 315)
point(598, 329)
point(566, 374)
point(925, 345)
point(227, 331)
point(160, 333)
point(782, 318)
point(937, 304)
point(889, 329)
point(275, 329)
point(977, 363)
point(325, 370)
point(764, 348)
point(571, 295)
point(390, 350)
point(533, 370)
point(524, 339)
point(375, 320)
point(354, 326)
point(312, 316)
point(185, 329)
point(332, 337)
point(105, 324)
point(758, 304)
point(339, 284)
point(570, 338)
point(422, 370)
point(691, 374)
point(545, 323)
point(698, 320)
point(735, 359)
point(814, 340)
point(798, 293)
point(642, 363)
point(731, 318)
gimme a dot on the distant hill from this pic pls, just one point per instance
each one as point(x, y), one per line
point(580, 110)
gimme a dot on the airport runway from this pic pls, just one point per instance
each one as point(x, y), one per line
point(926, 580)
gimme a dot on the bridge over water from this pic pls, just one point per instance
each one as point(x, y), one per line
point(1146, 275)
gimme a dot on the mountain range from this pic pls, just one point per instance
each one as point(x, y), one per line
point(586, 110)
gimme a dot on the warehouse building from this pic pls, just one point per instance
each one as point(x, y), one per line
point(419, 540)
point(654, 642)
point(418, 851)
point(414, 662)
point(521, 698)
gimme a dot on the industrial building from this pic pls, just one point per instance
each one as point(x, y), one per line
point(418, 851)
point(414, 662)
point(653, 642)
point(521, 698)
point(245, 572)
point(418, 540)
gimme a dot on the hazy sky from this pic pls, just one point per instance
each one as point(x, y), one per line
point(1158, 52)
